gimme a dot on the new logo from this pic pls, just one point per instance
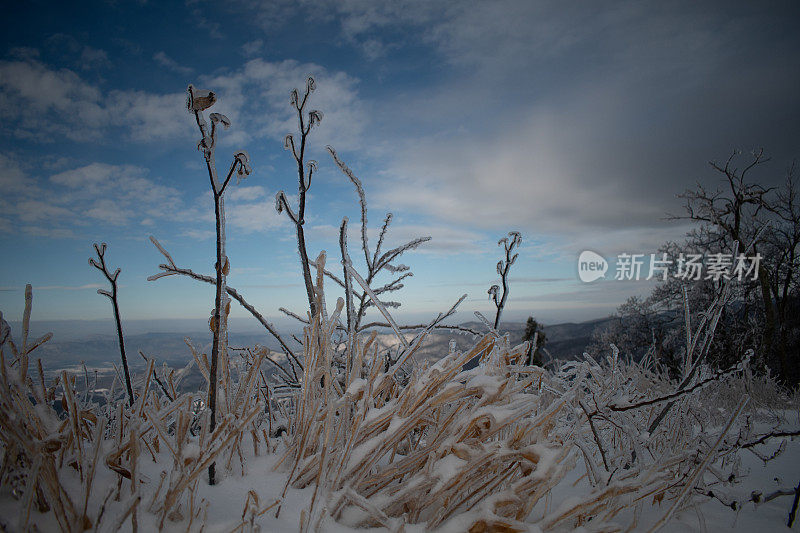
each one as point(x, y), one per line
point(591, 266)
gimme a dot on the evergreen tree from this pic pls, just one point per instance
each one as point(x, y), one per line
point(534, 329)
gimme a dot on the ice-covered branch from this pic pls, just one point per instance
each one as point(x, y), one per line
point(305, 171)
point(172, 269)
point(503, 267)
point(362, 201)
point(100, 264)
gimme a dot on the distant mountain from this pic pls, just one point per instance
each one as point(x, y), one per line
point(99, 352)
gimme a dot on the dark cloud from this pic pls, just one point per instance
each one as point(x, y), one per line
point(590, 119)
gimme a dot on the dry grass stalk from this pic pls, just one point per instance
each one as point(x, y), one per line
point(381, 443)
point(44, 451)
point(423, 450)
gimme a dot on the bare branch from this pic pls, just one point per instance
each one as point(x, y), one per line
point(362, 200)
point(503, 267)
point(282, 204)
point(394, 253)
point(378, 304)
point(100, 264)
point(171, 269)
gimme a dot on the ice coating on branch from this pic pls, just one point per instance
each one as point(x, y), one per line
point(362, 198)
point(199, 99)
point(314, 117)
point(492, 292)
point(222, 228)
point(243, 158)
point(396, 268)
point(218, 118)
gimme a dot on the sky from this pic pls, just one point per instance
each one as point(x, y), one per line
point(574, 123)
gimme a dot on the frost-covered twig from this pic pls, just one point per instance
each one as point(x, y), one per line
point(690, 483)
point(716, 376)
point(503, 267)
point(7, 338)
point(451, 327)
point(596, 435)
point(197, 102)
point(158, 380)
point(305, 171)
point(375, 262)
point(793, 510)
point(100, 265)
point(773, 435)
point(377, 303)
point(170, 269)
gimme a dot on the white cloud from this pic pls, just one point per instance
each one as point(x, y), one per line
point(256, 98)
point(110, 212)
point(93, 58)
point(46, 105)
point(12, 178)
point(243, 193)
point(253, 216)
point(199, 234)
point(170, 64)
point(252, 48)
point(76, 200)
point(125, 196)
point(49, 232)
point(150, 117)
point(445, 239)
point(93, 175)
point(30, 211)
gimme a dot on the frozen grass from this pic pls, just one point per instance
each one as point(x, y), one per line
point(376, 440)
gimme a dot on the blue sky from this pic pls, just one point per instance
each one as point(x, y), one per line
point(573, 123)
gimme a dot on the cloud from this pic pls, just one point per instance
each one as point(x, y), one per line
point(24, 52)
point(170, 64)
point(254, 216)
point(445, 239)
point(249, 209)
point(31, 211)
point(148, 117)
point(13, 179)
point(374, 27)
point(49, 232)
point(213, 28)
point(116, 194)
point(69, 203)
point(110, 212)
point(252, 48)
point(575, 106)
point(92, 58)
point(256, 98)
point(199, 234)
point(578, 122)
point(47, 105)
